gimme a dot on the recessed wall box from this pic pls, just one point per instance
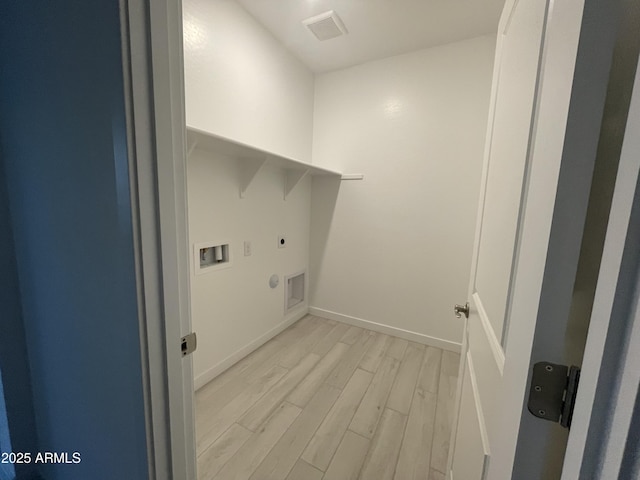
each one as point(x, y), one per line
point(211, 256)
point(294, 294)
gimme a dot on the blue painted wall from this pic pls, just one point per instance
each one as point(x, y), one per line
point(7, 470)
point(17, 426)
point(63, 147)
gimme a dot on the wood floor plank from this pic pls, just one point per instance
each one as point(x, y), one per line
point(343, 371)
point(283, 456)
point(348, 408)
point(368, 414)
point(234, 388)
point(430, 371)
point(215, 400)
point(261, 410)
point(211, 426)
point(415, 453)
point(333, 337)
point(287, 341)
point(303, 471)
point(302, 347)
point(371, 361)
point(328, 436)
point(402, 392)
point(217, 393)
point(323, 320)
point(397, 348)
point(352, 335)
point(444, 410)
point(219, 453)
point(208, 391)
point(249, 456)
point(349, 457)
point(307, 388)
point(381, 460)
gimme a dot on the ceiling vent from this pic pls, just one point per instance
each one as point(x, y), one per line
point(326, 25)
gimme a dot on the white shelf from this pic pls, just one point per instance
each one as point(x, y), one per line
point(253, 159)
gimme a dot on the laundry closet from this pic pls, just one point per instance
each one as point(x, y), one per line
point(329, 178)
point(273, 148)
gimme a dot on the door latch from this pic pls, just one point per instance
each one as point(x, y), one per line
point(552, 395)
point(460, 310)
point(188, 344)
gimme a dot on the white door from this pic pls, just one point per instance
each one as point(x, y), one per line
point(516, 72)
point(533, 75)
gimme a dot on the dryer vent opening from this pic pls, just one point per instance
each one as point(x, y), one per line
point(294, 291)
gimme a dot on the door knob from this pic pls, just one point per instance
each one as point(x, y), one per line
point(460, 309)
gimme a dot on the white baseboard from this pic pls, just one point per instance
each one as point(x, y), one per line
point(204, 378)
point(379, 327)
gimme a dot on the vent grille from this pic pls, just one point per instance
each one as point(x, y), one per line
point(326, 25)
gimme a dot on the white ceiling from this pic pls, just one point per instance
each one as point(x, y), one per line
point(377, 28)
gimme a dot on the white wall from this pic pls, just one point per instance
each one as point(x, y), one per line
point(234, 307)
point(242, 84)
point(396, 248)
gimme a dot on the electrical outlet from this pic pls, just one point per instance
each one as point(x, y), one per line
point(282, 241)
point(247, 248)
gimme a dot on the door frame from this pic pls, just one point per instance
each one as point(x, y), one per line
point(154, 93)
point(601, 77)
point(153, 74)
point(602, 420)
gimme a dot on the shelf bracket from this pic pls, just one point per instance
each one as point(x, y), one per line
point(291, 179)
point(249, 169)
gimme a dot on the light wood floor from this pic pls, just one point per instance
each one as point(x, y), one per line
point(324, 400)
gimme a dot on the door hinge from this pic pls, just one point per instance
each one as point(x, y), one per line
point(188, 344)
point(552, 395)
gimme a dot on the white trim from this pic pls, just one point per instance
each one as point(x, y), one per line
point(608, 291)
point(467, 360)
point(505, 19)
point(484, 178)
point(159, 33)
point(386, 329)
point(458, 400)
point(479, 411)
point(494, 343)
point(144, 228)
point(204, 378)
point(352, 176)
point(624, 407)
point(161, 293)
